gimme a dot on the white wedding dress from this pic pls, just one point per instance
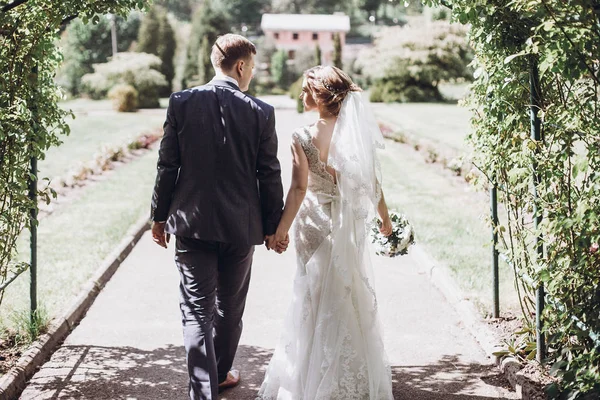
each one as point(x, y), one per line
point(331, 347)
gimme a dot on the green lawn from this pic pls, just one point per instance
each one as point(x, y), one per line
point(449, 222)
point(76, 238)
point(96, 125)
point(443, 125)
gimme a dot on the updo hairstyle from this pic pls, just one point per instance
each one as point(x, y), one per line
point(329, 86)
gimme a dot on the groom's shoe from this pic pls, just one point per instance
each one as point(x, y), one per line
point(232, 380)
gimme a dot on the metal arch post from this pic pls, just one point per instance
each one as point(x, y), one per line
point(536, 135)
point(33, 214)
point(495, 273)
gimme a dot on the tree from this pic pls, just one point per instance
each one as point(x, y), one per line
point(166, 51)
point(181, 9)
point(207, 21)
point(337, 51)
point(535, 134)
point(156, 36)
point(310, 6)
point(149, 33)
point(206, 70)
point(30, 116)
point(408, 63)
point(279, 70)
point(88, 44)
point(245, 12)
point(318, 55)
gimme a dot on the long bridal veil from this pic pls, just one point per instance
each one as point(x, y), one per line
point(332, 346)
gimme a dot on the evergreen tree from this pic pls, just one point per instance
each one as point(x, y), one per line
point(149, 35)
point(247, 12)
point(181, 9)
point(337, 51)
point(156, 36)
point(206, 70)
point(318, 55)
point(166, 51)
point(209, 22)
point(279, 70)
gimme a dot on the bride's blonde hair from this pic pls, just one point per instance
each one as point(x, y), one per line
point(329, 86)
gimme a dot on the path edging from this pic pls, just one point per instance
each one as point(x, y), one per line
point(15, 380)
point(440, 278)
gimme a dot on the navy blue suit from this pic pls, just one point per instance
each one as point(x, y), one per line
point(219, 189)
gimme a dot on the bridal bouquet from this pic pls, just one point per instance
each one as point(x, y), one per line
point(398, 242)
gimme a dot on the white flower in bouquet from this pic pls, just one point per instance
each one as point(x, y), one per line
point(398, 242)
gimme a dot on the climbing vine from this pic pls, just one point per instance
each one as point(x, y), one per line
point(553, 49)
point(31, 121)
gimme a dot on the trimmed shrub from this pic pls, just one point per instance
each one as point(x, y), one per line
point(124, 97)
point(139, 70)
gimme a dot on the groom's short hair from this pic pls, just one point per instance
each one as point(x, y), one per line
point(230, 48)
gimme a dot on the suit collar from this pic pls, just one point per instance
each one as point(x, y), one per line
point(222, 82)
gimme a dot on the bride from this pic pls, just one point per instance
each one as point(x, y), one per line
point(331, 347)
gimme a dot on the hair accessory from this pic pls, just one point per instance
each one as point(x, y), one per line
point(220, 49)
point(335, 92)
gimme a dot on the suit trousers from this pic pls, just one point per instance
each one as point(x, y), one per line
point(213, 287)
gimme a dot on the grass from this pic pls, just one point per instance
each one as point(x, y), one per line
point(444, 125)
point(449, 222)
point(96, 125)
point(75, 239)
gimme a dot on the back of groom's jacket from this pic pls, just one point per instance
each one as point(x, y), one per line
point(218, 174)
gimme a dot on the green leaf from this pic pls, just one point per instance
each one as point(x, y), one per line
point(557, 366)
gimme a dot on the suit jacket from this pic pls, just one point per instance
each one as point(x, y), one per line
point(218, 177)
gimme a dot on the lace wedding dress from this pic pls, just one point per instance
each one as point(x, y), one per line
point(331, 347)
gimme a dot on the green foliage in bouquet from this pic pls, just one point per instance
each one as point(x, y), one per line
point(398, 242)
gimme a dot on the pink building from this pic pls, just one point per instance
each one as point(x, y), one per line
point(292, 32)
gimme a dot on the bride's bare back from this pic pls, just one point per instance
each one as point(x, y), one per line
point(321, 133)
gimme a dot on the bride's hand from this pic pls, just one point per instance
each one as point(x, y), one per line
point(280, 241)
point(386, 227)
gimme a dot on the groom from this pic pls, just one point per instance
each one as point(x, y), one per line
point(218, 190)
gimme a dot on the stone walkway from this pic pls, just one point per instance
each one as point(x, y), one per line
point(129, 346)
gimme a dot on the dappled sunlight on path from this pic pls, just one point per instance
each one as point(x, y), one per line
point(129, 346)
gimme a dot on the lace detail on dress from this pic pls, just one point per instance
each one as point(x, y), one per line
point(319, 179)
point(331, 347)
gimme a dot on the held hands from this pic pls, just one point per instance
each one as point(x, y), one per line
point(158, 234)
point(278, 242)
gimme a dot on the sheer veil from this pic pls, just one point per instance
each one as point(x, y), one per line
point(356, 137)
point(332, 346)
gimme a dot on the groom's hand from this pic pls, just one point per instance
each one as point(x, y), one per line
point(272, 242)
point(269, 240)
point(158, 234)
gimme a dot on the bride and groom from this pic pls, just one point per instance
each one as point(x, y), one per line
point(218, 190)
